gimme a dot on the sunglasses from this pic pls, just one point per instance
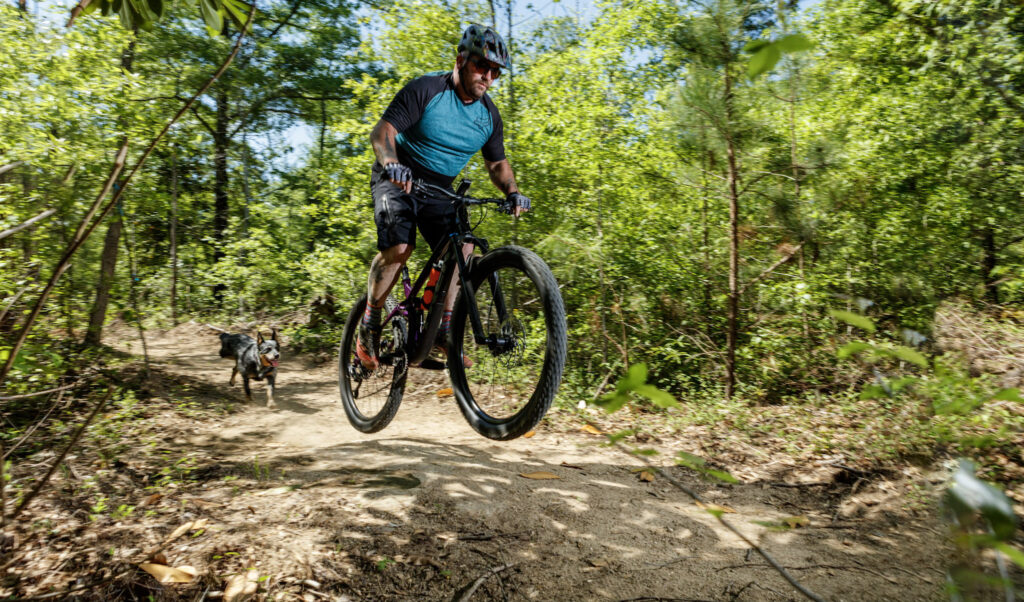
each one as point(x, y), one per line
point(482, 66)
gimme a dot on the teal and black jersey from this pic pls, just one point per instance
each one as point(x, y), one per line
point(438, 133)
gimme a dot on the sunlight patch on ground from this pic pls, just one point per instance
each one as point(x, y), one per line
point(610, 484)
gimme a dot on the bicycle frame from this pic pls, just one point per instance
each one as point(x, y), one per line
point(421, 337)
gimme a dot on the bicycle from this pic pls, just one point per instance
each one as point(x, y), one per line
point(506, 347)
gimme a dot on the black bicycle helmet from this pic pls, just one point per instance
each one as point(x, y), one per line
point(484, 41)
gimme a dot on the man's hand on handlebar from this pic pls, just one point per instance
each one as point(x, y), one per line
point(518, 203)
point(400, 175)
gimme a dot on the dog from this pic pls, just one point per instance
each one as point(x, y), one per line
point(256, 359)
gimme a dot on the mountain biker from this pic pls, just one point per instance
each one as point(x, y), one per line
point(431, 129)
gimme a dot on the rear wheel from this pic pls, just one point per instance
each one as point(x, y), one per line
point(371, 398)
point(505, 384)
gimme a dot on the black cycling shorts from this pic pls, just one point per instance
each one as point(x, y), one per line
point(398, 215)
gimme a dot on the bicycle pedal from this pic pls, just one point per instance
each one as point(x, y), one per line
point(432, 364)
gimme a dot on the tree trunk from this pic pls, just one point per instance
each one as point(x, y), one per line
point(220, 185)
point(732, 317)
point(108, 264)
point(988, 264)
point(108, 259)
point(174, 235)
point(706, 239)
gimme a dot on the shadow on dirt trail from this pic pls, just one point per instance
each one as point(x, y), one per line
point(427, 506)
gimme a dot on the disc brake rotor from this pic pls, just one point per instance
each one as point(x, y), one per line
point(511, 354)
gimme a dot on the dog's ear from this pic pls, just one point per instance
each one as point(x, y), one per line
point(273, 334)
point(259, 337)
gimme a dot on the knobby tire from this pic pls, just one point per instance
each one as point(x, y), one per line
point(375, 420)
point(527, 268)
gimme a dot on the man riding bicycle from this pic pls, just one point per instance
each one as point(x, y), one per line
point(431, 129)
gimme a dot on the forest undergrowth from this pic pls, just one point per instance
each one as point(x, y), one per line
point(108, 508)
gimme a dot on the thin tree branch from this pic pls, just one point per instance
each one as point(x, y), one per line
point(1011, 242)
point(697, 498)
point(77, 243)
point(14, 301)
point(201, 120)
point(60, 458)
point(467, 592)
point(6, 168)
point(38, 393)
point(115, 172)
point(27, 224)
point(33, 428)
point(149, 98)
point(70, 173)
point(771, 268)
point(77, 10)
point(295, 8)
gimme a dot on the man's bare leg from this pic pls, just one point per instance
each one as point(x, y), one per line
point(384, 271)
point(449, 305)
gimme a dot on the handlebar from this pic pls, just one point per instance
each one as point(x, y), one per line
point(419, 185)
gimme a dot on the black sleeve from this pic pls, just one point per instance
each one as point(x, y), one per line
point(407, 106)
point(494, 148)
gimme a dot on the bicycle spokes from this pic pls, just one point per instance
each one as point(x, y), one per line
point(505, 368)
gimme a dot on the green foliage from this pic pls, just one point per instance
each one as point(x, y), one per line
point(853, 319)
point(699, 465)
point(143, 14)
point(982, 518)
point(635, 381)
point(766, 54)
point(968, 497)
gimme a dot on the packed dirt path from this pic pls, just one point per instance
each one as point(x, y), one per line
point(427, 506)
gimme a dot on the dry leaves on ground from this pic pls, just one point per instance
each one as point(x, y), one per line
point(540, 475)
point(165, 574)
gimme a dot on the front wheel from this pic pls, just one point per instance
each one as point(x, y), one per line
point(505, 384)
point(371, 398)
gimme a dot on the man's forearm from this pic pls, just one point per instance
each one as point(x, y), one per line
point(502, 176)
point(382, 138)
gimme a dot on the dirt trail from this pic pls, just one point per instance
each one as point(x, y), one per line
point(427, 506)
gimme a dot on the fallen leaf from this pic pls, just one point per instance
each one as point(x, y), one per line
point(200, 524)
point(240, 587)
point(274, 491)
point(567, 465)
point(530, 434)
point(445, 392)
point(589, 429)
point(796, 522)
point(539, 475)
point(598, 562)
point(166, 574)
point(716, 508)
point(160, 558)
point(152, 499)
point(183, 529)
point(647, 476)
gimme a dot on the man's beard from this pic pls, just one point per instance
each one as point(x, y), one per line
point(465, 81)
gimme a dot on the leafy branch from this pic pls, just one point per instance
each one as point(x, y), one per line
point(766, 53)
